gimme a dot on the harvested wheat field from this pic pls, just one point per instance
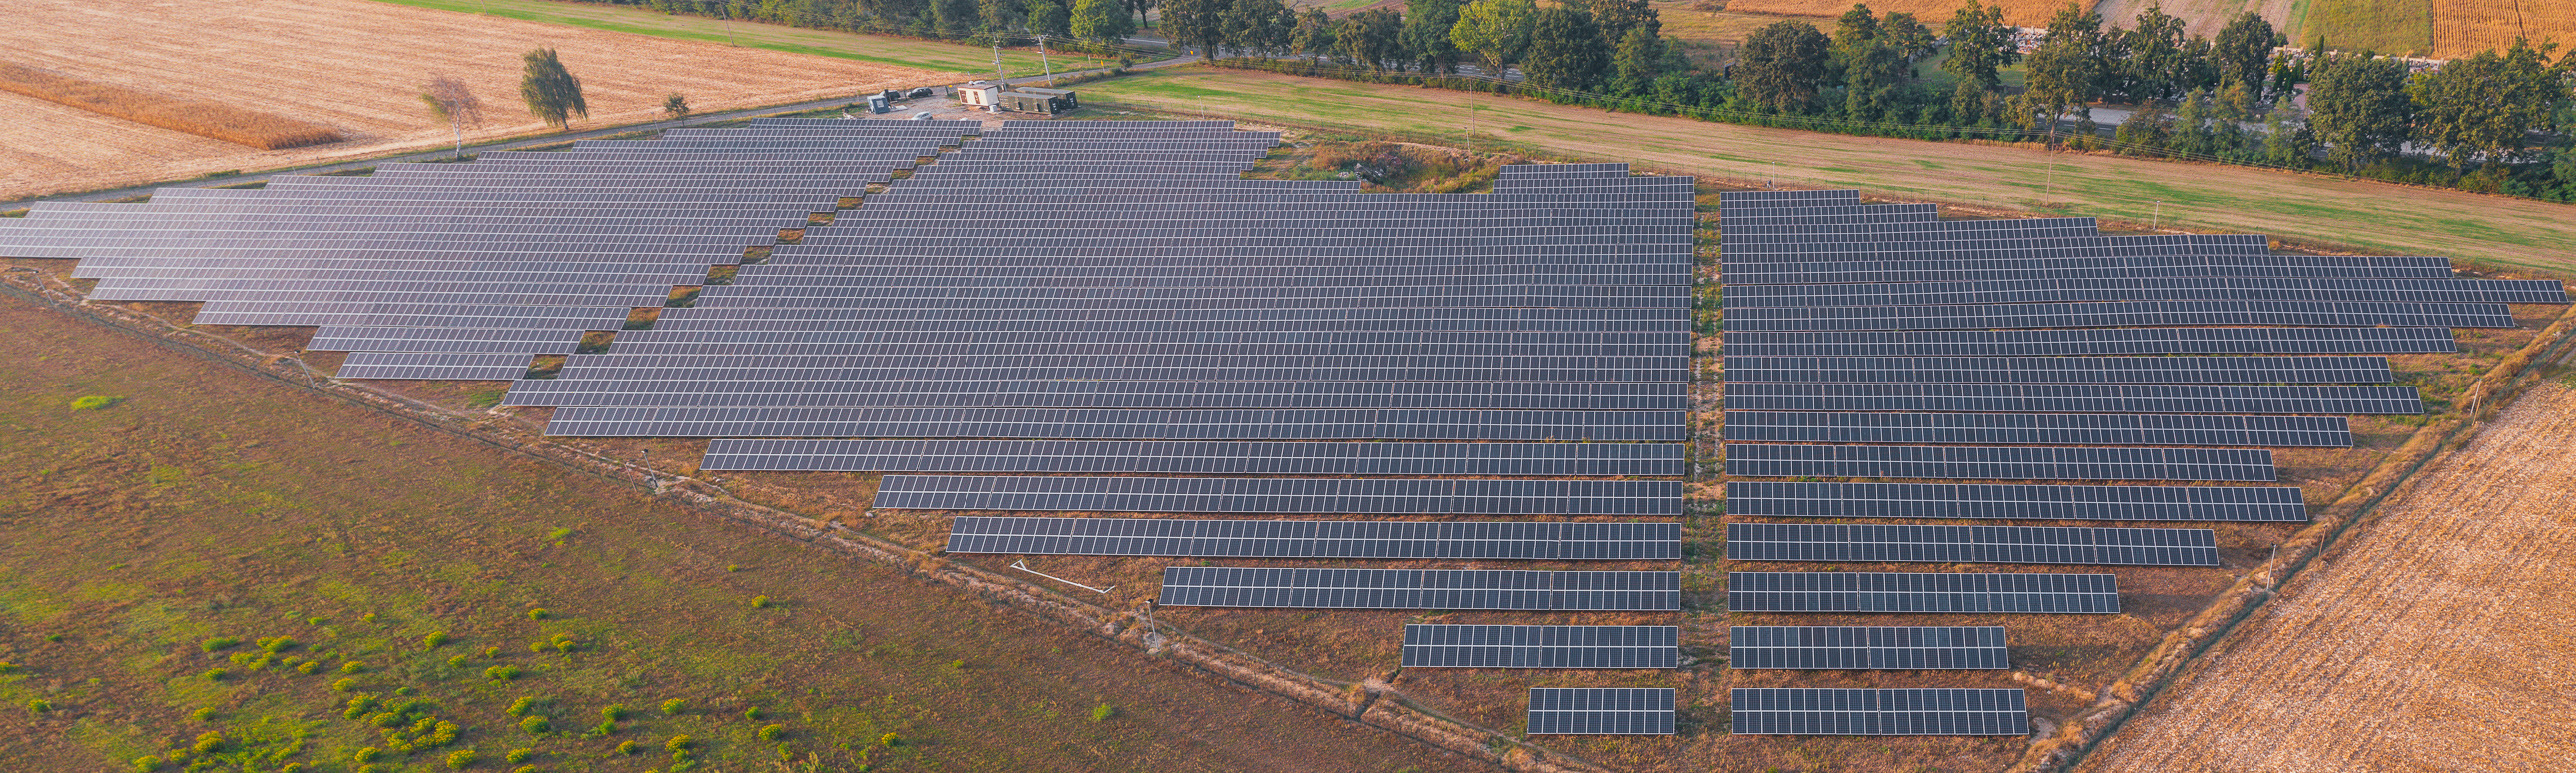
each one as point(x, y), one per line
point(2435, 640)
point(2464, 27)
point(356, 67)
point(2026, 13)
point(2200, 18)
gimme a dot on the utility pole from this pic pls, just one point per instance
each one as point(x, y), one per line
point(728, 20)
point(1042, 59)
point(2158, 223)
point(1001, 82)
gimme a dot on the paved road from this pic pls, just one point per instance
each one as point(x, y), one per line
point(512, 144)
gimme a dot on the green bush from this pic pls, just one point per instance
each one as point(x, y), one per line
point(613, 712)
point(458, 661)
point(524, 769)
point(208, 743)
point(674, 706)
point(627, 747)
point(308, 667)
point(460, 759)
point(602, 730)
point(203, 714)
point(96, 403)
point(276, 644)
point(435, 640)
point(7, 667)
point(520, 707)
point(752, 713)
point(354, 667)
point(344, 685)
point(558, 535)
point(679, 743)
point(889, 740)
point(219, 644)
point(216, 674)
point(517, 756)
point(539, 613)
point(771, 732)
point(39, 706)
point(1102, 712)
point(491, 652)
point(146, 764)
point(536, 725)
point(760, 602)
point(501, 673)
point(366, 755)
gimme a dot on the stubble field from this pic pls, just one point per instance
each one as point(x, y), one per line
point(356, 66)
point(2432, 641)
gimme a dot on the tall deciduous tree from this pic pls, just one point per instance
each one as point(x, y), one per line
point(2153, 63)
point(1050, 17)
point(1199, 23)
point(1565, 50)
point(2358, 106)
point(1314, 36)
point(1496, 31)
point(1261, 26)
point(1373, 37)
point(1782, 65)
point(449, 100)
point(1980, 44)
point(2064, 71)
point(1908, 36)
point(1426, 34)
point(1616, 17)
point(552, 92)
point(2490, 105)
point(1638, 62)
point(1102, 21)
point(2243, 52)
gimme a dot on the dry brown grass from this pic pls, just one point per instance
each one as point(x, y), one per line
point(2435, 640)
point(2027, 13)
point(266, 131)
point(357, 67)
point(2465, 27)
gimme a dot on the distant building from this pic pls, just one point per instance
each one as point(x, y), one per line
point(1037, 100)
point(980, 94)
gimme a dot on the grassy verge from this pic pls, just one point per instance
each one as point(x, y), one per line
point(2490, 231)
point(876, 49)
point(208, 565)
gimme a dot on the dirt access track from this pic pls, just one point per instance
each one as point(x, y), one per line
point(2436, 639)
point(357, 66)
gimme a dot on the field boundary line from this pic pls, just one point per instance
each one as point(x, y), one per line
point(2164, 666)
point(1359, 703)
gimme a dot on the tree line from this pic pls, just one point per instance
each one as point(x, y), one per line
point(2492, 122)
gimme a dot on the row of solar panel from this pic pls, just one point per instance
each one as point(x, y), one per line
point(2122, 314)
point(2260, 289)
point(1936, 593)
point(1281, 495)
point(2073, 398)
point(1460, 589)
point(1872, 543)
point(1034, 423)
point(1418, 540)
point(2084, 341)
point(1782, 499)
point(2095, 370)
point(2039, 429)
point(1194, 458)
point(2227, 465)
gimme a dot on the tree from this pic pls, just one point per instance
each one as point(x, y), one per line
point(552, 92)
point(1199, 23)
point(2287, 139)
point(2154, 61)
point(1782, 65)
point(1496, 31)
point(1616, 17)
point(675, 105)
point(2243, 52)
point(1638, 62)
point(954, 18)
point(1373, 37)
point(1565, 50)
point(1102, 21)
point(448, 98)
point(2358, 106)
point(1258, 25)
point(2489, 105)
point(1980, 44)
point(1314, 35)
point(1426, 34)
point(1050, 17)
point(1910, 38)
point(1001, 16)
point(2064, 71)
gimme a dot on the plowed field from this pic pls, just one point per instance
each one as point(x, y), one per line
point(357, 66)
point(2436, 640)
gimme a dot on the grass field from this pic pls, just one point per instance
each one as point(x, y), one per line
point(193, 516)
point(2430, 642)
point(874, 49)
point(2026, 13)
point(354, 66)
point(1708, 34)
point(2365, 216)
point(2403, 27)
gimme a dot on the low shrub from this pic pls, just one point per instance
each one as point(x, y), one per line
point(219, 644)
point(275, 644)
point(501, 673)
point(460, 759)
point(344, 685)
point(536, 725)
point(96, 403)
point(771, 732)
point(889, 740)
point(613, 712)
point(203, 714)
point(539, 613)
point(520, 707)
point(207, 743)
point(435, 640)
point(146, 764)
point(674, 706)
point(517, 756)
point(679, 743)
point(366, 755)
point(354, 667)
point(628, 747)
point(752, 713)
point(1102, 712)
point(39, 706)
point(458, 661)
point(602, 730)
point(307, 667)
point(760, 602)
point(216, 674)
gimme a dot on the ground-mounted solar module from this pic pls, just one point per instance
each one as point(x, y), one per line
point(1601, 711)
point(1888, 543)
point(1642, 498)
point(2039, 429)
point(2064, 370)
point(2236, 504)
point(1989, 316)
point(1541, 646)
point(1393, 540)
point(1937, 593)
point(1481, 589)
point(2092, 341)
point(1867, 648)
point(2228, 465)
point(1195, 458)
point(2076, 398)
point(1910, 711)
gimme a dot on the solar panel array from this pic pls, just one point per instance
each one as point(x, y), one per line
point(536, 247)
point(1867, 647)
point(1542, 646)
point(1868, 343)
point(1916, 711)
point(1043, 317)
